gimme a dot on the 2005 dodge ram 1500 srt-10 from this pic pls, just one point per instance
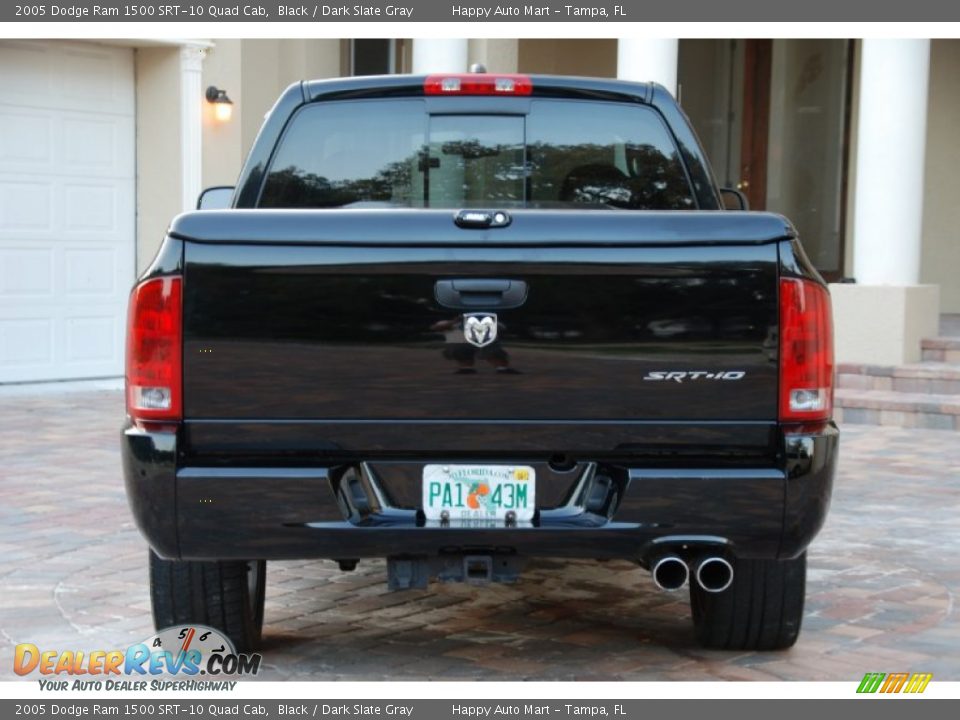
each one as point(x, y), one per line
point(459, 321)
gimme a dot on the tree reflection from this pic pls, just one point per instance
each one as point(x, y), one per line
point(643, 177)
point(588, 173)
point(294, 187)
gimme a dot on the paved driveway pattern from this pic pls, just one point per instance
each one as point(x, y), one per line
point(882, 583)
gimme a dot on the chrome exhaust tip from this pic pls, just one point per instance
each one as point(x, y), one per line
point(714, 574)
point(670, 573)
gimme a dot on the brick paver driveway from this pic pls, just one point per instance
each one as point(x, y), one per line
point(883, 576)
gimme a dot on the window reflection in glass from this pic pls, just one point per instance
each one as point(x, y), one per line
point(350, 154)
point(563, 154)
point(476, 160)
point(603, 154)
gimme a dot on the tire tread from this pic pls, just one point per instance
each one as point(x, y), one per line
point(762, 609)
point(212, 593)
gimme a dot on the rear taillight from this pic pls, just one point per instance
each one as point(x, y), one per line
point(506, 84)
point(806, 351)
point(154, 350)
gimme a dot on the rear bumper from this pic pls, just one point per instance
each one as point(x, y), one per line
point(294, 513)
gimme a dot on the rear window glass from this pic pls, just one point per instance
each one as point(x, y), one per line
point(389, 153)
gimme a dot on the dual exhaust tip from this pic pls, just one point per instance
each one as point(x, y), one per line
point(714, 574)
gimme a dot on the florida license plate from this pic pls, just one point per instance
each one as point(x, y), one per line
point(474, 493)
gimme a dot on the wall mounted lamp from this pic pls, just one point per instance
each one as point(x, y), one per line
point(222, 105)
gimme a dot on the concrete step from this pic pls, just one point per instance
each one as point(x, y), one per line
point(898, 409)
point(938, 378)
point(940, 349)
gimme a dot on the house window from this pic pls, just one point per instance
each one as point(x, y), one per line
point(373, 57)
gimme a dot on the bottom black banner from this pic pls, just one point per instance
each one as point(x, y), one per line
point(201, 709)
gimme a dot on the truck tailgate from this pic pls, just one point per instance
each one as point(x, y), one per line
point(348, 316)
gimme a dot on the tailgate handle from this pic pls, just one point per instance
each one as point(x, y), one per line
point(482, 219)
point(474, 293)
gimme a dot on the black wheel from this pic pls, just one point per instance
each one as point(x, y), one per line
point(226, 595)
point(761, 610)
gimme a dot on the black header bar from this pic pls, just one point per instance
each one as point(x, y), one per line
point(473, 11)
point(199, 707)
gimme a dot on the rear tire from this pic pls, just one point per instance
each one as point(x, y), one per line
point(761, 610)
point(225, 595)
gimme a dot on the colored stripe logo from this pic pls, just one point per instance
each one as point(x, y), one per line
point(895, 682)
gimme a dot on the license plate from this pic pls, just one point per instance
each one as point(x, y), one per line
point(479, 492)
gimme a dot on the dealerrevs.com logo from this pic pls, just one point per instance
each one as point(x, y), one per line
point(184, 650)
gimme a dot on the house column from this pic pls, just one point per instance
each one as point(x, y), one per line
point(891, 141)
point(882, 318)
point(648, 59)
point(191, 124)
point(432, 55)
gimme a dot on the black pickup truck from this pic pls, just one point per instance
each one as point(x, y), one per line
point(462, 321)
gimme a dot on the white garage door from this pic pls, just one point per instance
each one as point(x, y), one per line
point(67, 245)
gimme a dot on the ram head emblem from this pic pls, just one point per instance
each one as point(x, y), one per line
point(480, 329)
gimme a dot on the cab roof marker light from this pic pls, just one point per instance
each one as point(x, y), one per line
point(478, 84)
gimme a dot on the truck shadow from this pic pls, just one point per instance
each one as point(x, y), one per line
point(563, 620)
